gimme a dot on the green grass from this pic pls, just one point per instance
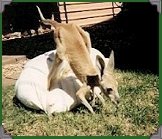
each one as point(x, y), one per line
point(138, 112)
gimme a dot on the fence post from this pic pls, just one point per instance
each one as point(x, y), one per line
point(113, 9)
point(65, 12)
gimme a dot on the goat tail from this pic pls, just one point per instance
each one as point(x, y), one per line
point(47, 21)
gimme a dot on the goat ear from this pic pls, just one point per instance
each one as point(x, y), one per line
point(111, 63)
point(100, 61)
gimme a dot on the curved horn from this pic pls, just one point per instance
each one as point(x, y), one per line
point(47, 21)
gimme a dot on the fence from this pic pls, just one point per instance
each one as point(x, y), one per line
point(16, 16)
point(85, 13)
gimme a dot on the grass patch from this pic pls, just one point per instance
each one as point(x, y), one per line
point(138, 112)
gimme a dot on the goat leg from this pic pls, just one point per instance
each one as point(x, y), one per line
point(61, 50)
point(58, 63)
point(97, 92)
point(53, 74)
point(86, 38)
point(81, 93)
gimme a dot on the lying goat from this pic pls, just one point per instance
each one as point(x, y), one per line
point(31, 87)
point(73, 46)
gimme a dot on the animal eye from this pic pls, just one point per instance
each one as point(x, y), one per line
point(109, 89)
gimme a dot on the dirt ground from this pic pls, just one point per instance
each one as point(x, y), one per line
point(11, 69)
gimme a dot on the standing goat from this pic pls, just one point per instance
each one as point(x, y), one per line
point(73, 46)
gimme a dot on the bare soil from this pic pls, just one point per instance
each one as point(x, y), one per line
point(11, 72)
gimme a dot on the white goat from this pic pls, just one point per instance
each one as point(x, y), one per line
point(31, 87)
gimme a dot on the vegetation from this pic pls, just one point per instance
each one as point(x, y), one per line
point(138, 112)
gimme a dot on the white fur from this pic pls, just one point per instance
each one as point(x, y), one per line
point(31, 87)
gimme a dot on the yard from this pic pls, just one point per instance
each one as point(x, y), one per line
point(133, 35)
point(138, 112)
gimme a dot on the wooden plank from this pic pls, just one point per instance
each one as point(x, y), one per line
point(63, 12)
point(116, 4)
point(74, 3)
point(90, 21)
point(92, 6)
point(86, 14)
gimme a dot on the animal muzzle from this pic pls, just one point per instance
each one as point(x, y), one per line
point(115, 100)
